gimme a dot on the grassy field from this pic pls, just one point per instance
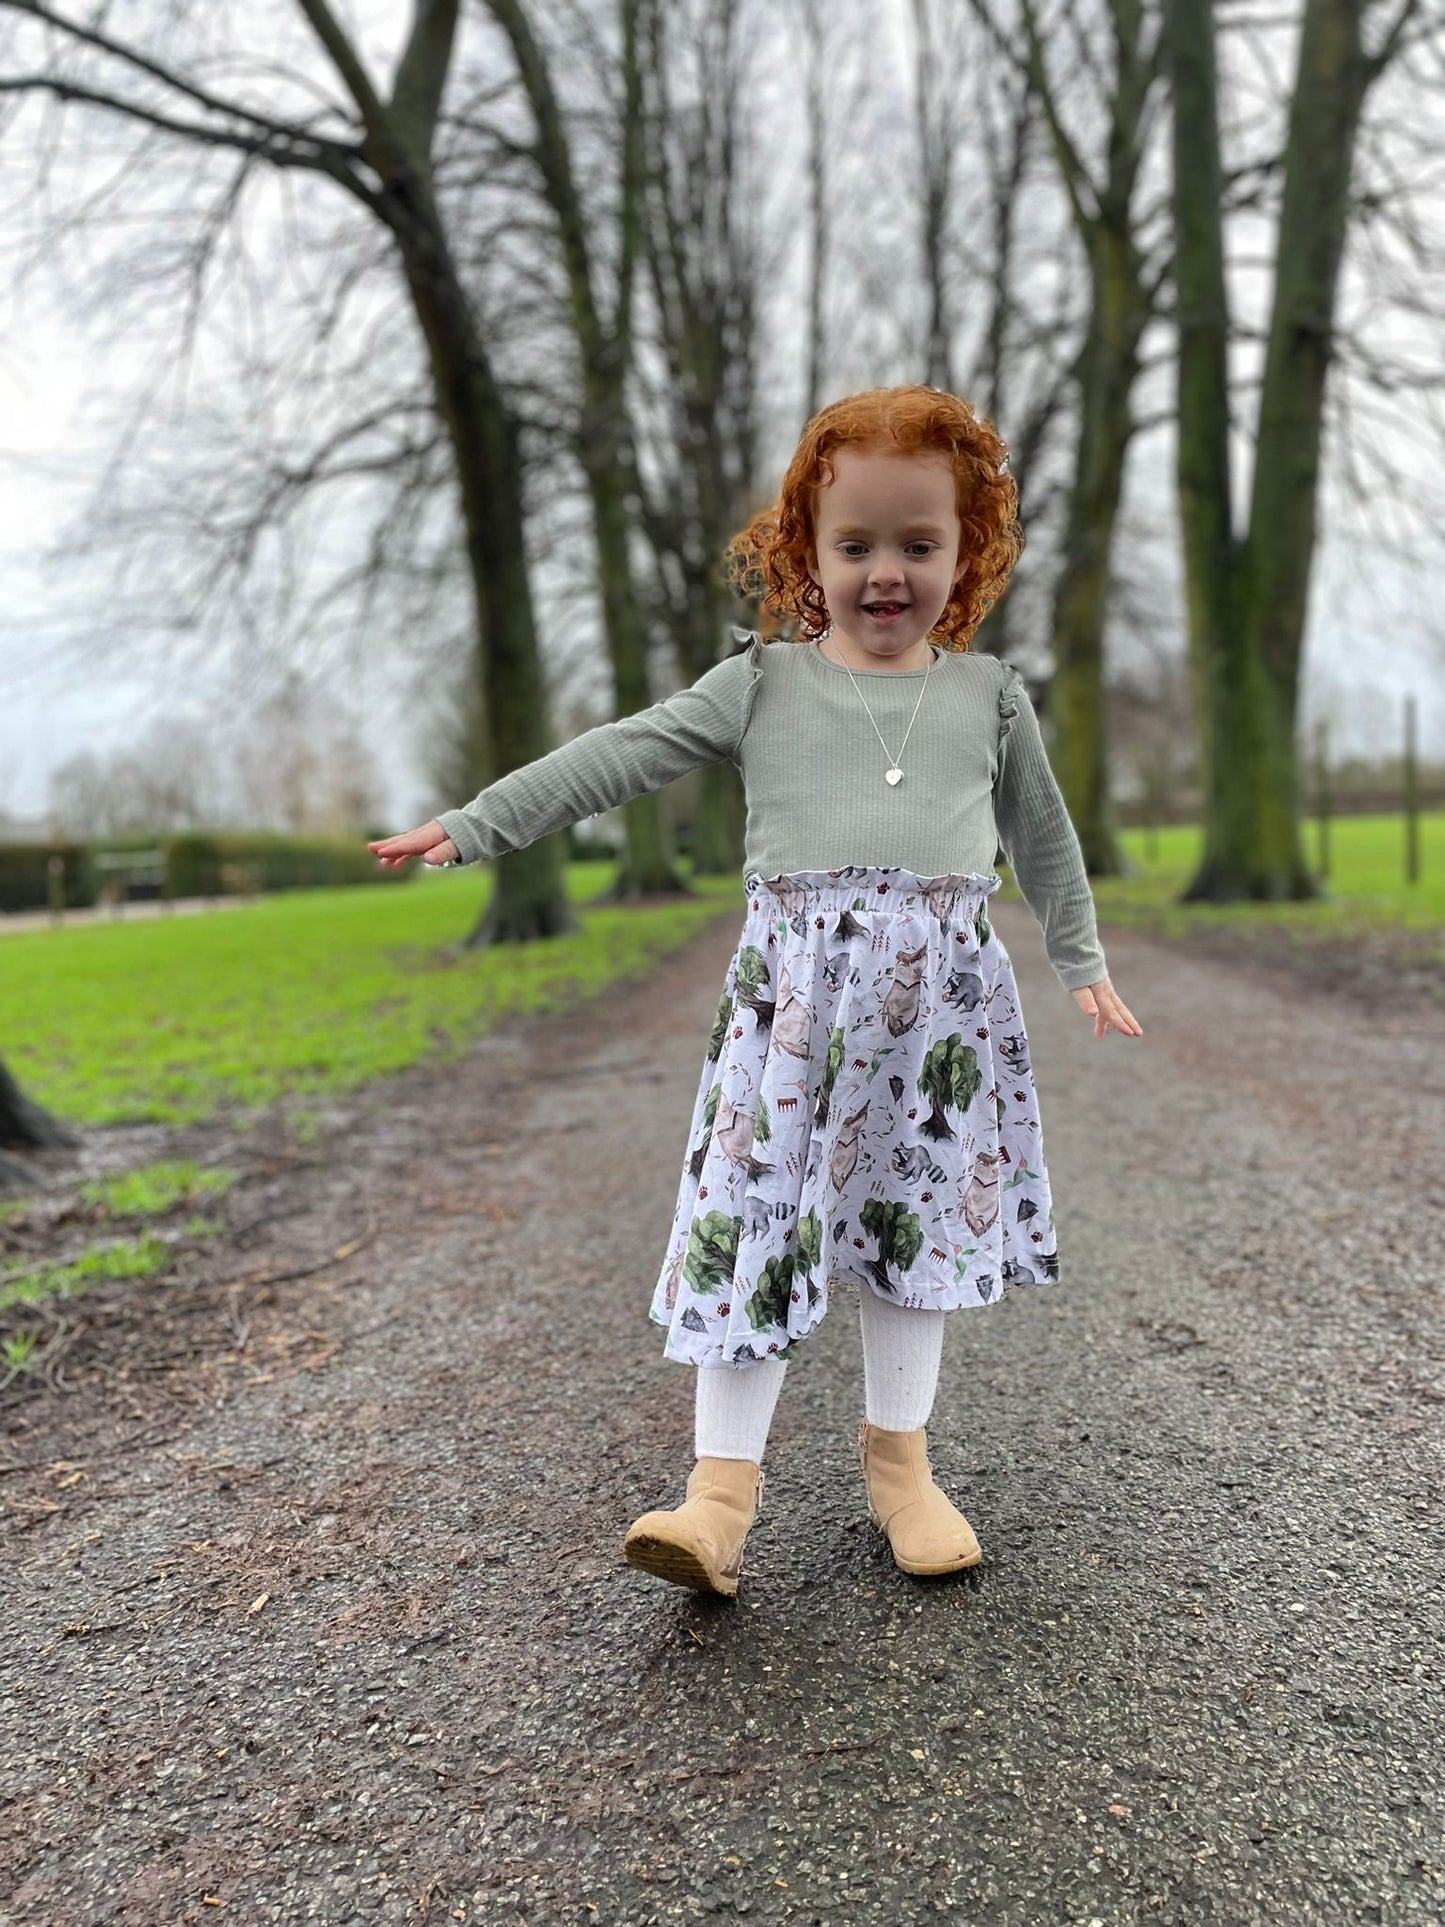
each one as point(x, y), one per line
point(307, 994)
point(1366, 886)
point(310, 992)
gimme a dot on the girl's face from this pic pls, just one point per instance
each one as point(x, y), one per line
point(886, 555)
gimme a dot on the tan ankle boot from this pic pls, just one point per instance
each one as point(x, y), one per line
point(924, 1527)
point(700, 1543)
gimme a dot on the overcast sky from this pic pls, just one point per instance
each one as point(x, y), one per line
point(1377, 626)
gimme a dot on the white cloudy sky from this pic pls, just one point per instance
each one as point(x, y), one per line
point(1376, 631)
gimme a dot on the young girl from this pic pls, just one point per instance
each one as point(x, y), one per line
point(866, 1113)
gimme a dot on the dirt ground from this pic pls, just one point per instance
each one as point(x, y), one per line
point(313, 1558)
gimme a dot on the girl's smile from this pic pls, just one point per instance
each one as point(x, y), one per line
point(886, 554)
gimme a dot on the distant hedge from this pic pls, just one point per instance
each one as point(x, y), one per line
point(24, 876)
point(214, 866)
point(195, 866)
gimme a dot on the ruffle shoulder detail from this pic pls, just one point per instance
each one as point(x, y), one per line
point(1010, 693)
point(754, 654)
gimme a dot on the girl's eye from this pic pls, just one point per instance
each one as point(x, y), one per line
point(854, 549)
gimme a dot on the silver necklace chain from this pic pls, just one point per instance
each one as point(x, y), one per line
point(893, 775)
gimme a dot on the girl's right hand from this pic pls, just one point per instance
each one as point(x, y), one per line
point(431, 843)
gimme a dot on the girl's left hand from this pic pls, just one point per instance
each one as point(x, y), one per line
point(1100, 1002)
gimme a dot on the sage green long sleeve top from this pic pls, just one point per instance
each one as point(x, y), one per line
point(976, 784)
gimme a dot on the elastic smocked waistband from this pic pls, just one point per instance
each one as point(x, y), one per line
point(867, 888)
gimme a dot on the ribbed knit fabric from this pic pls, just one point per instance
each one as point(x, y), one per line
point(975, 776)
point(734, 1408)
point(902, 1351)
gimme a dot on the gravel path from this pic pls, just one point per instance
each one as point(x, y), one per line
point(334, 1626)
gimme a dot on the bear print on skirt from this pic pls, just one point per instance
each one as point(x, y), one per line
point(866, 1115)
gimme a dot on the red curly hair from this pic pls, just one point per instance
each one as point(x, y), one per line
point(768, 560)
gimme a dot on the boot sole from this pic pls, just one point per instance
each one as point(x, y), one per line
point(678, 1564)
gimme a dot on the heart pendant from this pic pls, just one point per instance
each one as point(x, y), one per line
point(894, 775)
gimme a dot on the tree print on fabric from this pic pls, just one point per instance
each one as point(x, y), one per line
point(709, 1119)
point(768, 1305)
point(720, 1026)
point(875, 1128)
point(950, 1081)
point(832, 1064)
point(809, 1251)
point(752, 981)
point(900, 1239)
point(712, 1251)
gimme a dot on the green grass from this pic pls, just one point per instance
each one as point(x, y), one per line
point(308, 993)
point(154, 1189)
point(199, 1227)
point(1365, 888)
point(151, 1191)
point(15, 1352)
point(128, 1258)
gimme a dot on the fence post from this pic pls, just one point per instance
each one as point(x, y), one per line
point(1322, 791)
point(1412, 796)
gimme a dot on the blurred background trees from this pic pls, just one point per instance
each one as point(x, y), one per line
point(453, 342)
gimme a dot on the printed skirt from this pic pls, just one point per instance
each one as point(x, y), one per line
point(866, 1115)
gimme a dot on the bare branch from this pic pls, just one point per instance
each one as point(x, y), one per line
point(130, 56)
point(298, 150)
point(347, 63)
point(1393, 40)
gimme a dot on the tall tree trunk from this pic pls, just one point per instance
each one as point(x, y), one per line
point(24, 1126)
point(1030, 420)
point(816, 94)
point(933, 92)
point(395, 146)
point(604, 444)
point(529, 899)
point(1247, 598)
point(704, 263)
point(1107, 369)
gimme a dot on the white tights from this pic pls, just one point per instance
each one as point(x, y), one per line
point(902, 1349)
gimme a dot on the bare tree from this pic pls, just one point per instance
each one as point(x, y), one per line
point(817, 22)
point(379, 150)
point(707, 259)
point(1247, 591)
point(604, 345)
point(998, 316)
point(1117, 55)
point(937, 105)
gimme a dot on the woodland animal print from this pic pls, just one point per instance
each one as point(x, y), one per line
point(866, 1116)
point(845, 1149)
point(792, 1020)
point(900, 1006)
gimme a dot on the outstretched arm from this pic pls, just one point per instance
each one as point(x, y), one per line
point(1042, 848)
point(595, 771)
